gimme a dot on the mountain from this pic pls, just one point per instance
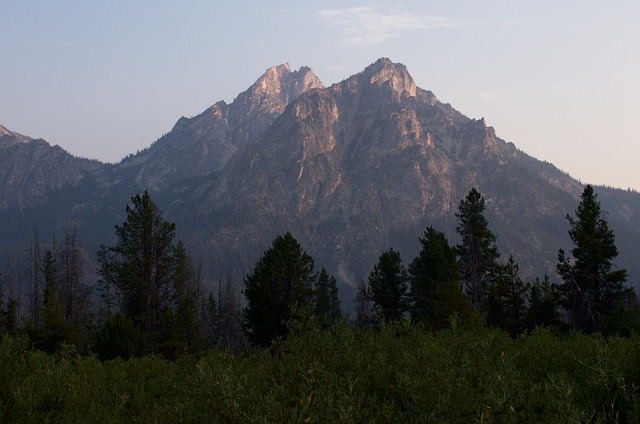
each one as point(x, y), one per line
point(351, 170)
point(32, 170)
point(205, 143)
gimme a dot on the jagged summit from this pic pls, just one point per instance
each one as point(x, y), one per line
point(396, 75)
point(206, 142)
point(276, 88)
point(383, 76)
point(4, 132)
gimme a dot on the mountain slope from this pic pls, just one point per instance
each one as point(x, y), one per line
point(30, 170)
point(350, 170)
point(365, 165)
point(204, 144)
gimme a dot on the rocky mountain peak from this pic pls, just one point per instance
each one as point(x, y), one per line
point(395, 75)
point(280, 85)
point(4, 132)
point(270, 81)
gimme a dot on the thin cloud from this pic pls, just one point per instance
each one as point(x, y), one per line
point(365, 26)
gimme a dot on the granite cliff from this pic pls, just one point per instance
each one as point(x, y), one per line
point(351, 170)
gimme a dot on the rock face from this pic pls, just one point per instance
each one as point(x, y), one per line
point(350, 170)
point(204, 144)
point(367, 164)
point(32, 170)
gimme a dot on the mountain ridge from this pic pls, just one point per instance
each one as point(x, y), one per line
point(350, 169)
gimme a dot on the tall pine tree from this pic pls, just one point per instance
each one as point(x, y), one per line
point(388, 287)
point(543, 304)
point(436, 290)
point(145, 271)
point(327, 305)
point(506, 300)
point(592, 288)
point(279, 290)
point(477, 251)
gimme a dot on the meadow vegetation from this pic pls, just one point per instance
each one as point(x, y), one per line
point(395, 373)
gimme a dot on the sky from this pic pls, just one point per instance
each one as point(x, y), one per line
point(104, 79)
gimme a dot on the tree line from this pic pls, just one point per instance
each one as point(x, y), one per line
point(461, 283)
point(469, 280)
point(151, 297)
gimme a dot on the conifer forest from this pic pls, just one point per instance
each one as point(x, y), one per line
point(455, 334)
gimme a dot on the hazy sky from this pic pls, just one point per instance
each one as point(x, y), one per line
point(559, 79)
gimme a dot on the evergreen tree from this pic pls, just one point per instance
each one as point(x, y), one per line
point(147, 272)
point(592, 289)
point(118, 337)
point(9, 305)
point(12, 316)
point(211, 321)
point(506, 300)
point(326, 306)
point(187, 297)
point(54, 328)
point(478, 252)
point(624, 319)
point(279, 289)
point(388, 285)
point(543, 305)
point(436, 291)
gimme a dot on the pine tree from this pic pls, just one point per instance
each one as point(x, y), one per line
point(54, 328)
point(478, 252)
point(119, 337)
point(9, 303)
point(543, 304)
point(12, 316)
point(279, 290)
point(436, 290)
point(592, 288)
point(145, 271)
point(181, 331)
point(506, 300)
point(326, 306)
point(388, 286)
point(211, 319)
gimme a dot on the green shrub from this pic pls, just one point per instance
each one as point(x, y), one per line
point(118, 337)
point(395, 373)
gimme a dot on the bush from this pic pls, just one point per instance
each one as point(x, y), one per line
point(117, 337)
